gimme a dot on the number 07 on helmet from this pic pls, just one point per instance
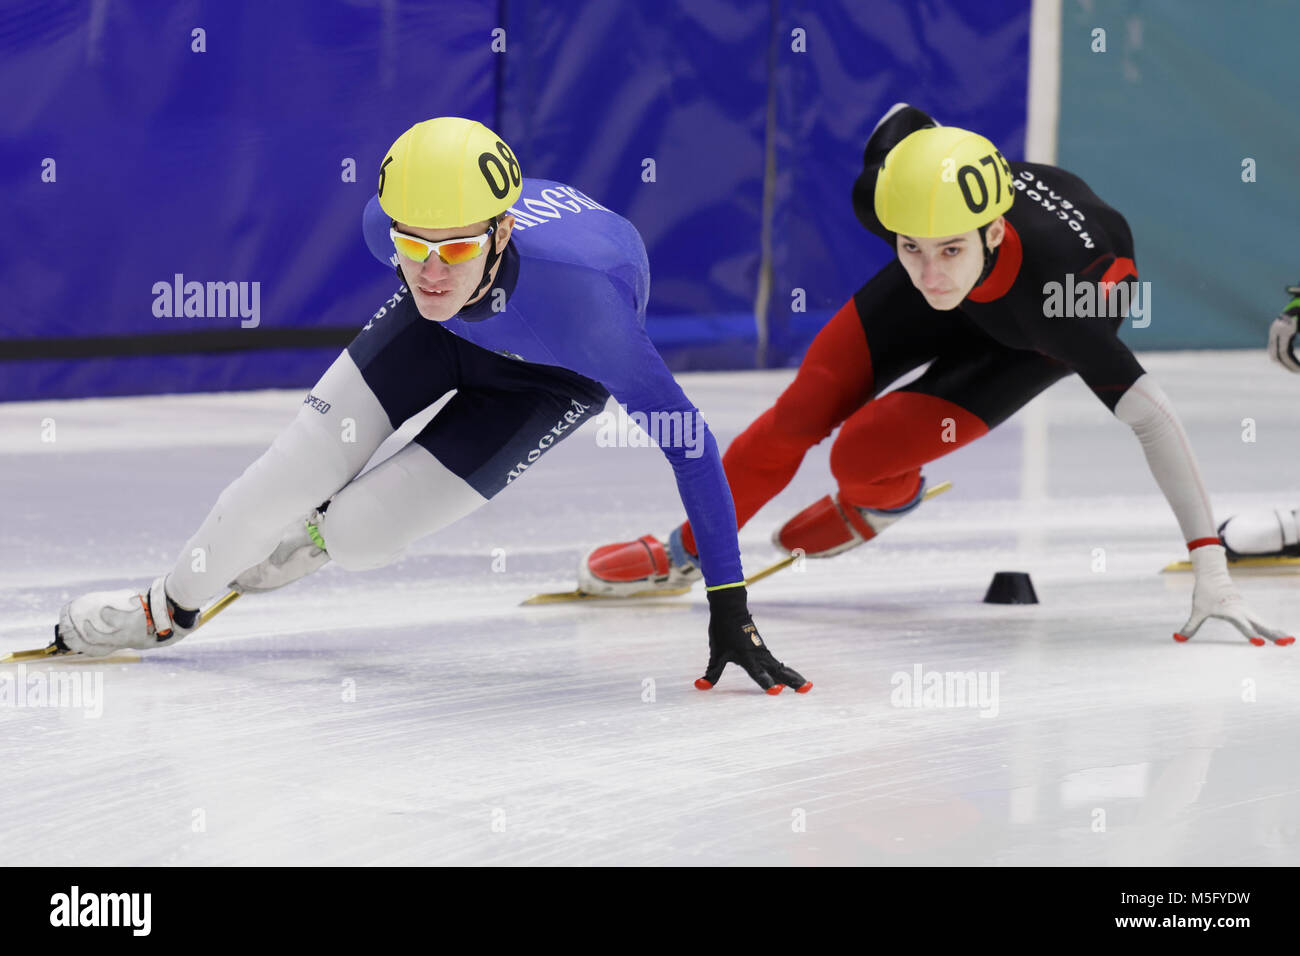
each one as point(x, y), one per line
point(942, 181)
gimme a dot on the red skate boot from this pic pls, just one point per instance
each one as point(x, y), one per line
point(829, 526)
point(643, 566)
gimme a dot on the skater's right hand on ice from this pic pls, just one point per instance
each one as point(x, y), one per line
point(733, 639)
point(1216, 596)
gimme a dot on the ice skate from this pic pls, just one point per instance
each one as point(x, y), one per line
point(646, 567)
point(643, 565)
point(1272, 533)
point(1265, 541)
point(102, 622)
point(829, 527)
point(640, 568)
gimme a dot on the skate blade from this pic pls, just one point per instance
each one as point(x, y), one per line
point(39, 654)
point(938, 489)
point(565, 597)
point(1262, 565)
point(52, 653)
point(117, 657)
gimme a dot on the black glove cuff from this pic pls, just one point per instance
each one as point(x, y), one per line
point(729, 601)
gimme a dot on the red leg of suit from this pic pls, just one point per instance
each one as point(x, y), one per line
point(878, 454)
point(876, 458)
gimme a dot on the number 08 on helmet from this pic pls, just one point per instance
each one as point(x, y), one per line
point(446, 173)
point(942, 181)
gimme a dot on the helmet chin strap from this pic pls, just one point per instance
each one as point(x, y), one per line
point(989, 255)
point(488, 262)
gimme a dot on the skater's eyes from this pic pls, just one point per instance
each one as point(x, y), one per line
point(911, 248)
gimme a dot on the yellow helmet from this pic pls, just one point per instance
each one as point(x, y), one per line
point(448, 172)
point(942, 181)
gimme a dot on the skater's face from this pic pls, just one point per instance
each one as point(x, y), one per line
point(441, 290)
point(945, 270)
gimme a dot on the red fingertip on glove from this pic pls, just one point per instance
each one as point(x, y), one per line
point(1257, 641)
point(702, 684)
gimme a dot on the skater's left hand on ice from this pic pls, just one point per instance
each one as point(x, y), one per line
point(298, 554)
point(1283, 343)
point(733, 639)
point(1216, 596)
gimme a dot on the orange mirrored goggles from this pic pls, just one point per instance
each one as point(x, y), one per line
point(451, 251)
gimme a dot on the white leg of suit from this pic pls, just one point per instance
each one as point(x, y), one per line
point(319, 453)
point(404, 498)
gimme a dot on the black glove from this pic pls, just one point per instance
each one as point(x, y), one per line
point(733, 639)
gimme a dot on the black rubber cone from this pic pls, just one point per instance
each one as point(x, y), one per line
point(1011, 587)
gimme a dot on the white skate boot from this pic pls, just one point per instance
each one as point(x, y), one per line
point(106, 621)
point(1273, 533)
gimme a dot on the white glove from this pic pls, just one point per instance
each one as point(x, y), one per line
point(1216, 596)
point(297, 555)
point(1282, 342)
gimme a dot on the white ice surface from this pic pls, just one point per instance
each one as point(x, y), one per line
point(486, 733)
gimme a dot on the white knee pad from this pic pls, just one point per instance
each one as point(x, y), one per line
point(371, 521)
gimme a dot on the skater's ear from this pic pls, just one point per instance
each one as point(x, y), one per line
point(505, 225)
point(997, 231)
